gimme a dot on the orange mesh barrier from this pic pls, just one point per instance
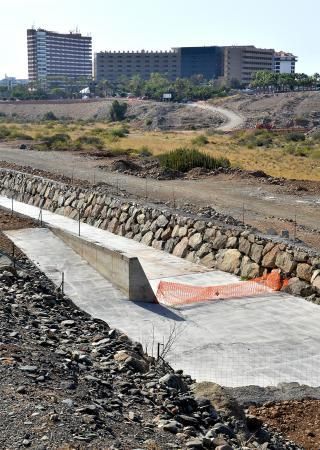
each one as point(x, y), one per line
point(173, 294)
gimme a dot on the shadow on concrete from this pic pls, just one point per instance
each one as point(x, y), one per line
point(160, 311)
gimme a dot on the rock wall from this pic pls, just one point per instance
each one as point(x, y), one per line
point(227, 248)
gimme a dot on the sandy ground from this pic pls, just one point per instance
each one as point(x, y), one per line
point(262, 205)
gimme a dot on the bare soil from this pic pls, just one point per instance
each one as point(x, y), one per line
point(284, 110)
point(12, 222)
point(297, 420)
point(263, 202)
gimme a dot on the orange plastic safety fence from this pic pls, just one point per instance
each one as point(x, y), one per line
point(172, 294)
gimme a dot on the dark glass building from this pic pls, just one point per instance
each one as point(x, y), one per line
point(207, 61)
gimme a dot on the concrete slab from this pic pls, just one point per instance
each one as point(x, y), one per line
point(264, 340)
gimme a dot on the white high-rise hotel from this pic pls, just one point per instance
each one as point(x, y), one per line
point(54, 57)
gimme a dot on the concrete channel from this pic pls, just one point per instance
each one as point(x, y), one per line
point(262, 340)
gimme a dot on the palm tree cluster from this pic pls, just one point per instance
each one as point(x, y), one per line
point(282, 82)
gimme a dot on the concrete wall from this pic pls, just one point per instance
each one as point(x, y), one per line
point(124, 272)
point(228, 248)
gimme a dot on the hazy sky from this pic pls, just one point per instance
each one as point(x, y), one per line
point(289, 25)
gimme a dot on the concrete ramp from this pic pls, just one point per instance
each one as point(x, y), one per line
point(261, 340)
point(124, 271)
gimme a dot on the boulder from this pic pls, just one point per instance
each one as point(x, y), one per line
point(244, 246)
point(175, 231)
point(181, 248)
point(219, 242)
point(173, 381)
point(113, 225)
point(249, 269)
point(166, 234)
point(316, 280)
point(208, 261)
point(304, 271)
point(200, 225)
point(298, 287)
point(228, 260)
point(285, 262)
point(204, 250)
point(183, 231)
point(256, 253)
point(195, 241)
point(147, 238)
point(169, 246)
point(232, 242)
point(269, 259)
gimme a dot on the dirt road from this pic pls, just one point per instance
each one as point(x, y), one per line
point(263, 205)
point(233, 119)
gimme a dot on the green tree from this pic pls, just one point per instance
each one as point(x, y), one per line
point(118, 111)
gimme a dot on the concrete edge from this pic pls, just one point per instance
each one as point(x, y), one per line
point(123, 271)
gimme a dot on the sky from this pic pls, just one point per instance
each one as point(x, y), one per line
point(287, 25)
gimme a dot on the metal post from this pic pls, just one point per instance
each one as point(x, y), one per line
point(79, 222)
point(40, 217)
point(13, 255)
point(146, 188)
point(62, 283)
point(158, 350)
point(295, 226)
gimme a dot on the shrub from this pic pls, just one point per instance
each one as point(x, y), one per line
point(144, 151)
point(185, 159)
point(149, 122)
point(118, 132)
point(200, 140)
point(4, 132)
point(58, 141)
point(255, 138)
point(295, 137)
point(50, 116)
point(89, 141)
point(118, 111)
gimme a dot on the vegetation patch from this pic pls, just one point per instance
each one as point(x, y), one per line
point(200, 140)
point(185, 159)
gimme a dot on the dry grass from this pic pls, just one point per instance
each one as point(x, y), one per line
point(274, 160)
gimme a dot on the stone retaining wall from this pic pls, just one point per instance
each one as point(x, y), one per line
point(230, 249)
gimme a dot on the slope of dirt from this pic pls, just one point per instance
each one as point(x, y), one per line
point(144, 114)
point(286, 109)
point(297, 420)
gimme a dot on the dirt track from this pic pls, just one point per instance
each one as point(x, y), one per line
point(232, 119)
point(263, 205)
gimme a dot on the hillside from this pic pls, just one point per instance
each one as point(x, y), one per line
point(284, 110)
point(144, 114)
